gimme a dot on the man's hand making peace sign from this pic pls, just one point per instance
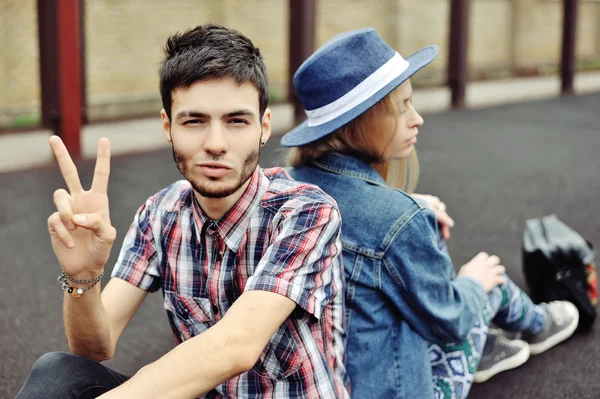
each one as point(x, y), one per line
point(81, 233)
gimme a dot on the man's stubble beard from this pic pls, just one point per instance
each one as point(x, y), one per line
point(205, 189)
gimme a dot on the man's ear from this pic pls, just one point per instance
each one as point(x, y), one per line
point(166, 125)
point(266, 127)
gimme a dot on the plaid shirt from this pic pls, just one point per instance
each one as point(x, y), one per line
point(281, 236)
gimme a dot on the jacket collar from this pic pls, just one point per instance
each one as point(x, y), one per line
point(349, 166)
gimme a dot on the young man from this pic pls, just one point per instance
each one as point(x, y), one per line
point(247, 258)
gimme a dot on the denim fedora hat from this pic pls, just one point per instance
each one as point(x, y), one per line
point(347, 76)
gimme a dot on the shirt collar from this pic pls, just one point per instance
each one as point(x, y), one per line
point(349, 166)
point(233, 225)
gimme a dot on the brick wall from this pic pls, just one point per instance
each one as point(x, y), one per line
point(19, 67)
point(124, 40)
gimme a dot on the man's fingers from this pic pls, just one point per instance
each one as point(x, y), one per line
point(62, 200)
point(102, 171)
point(58, 229)
point(95, 222)
point(66, 165)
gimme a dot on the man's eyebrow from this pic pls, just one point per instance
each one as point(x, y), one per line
point(239, 112)
point(193, 114)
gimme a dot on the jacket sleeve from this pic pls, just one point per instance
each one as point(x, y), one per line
point(419, 282)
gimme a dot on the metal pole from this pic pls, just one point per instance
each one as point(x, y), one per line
point(69, 73)
point(568, 58)
point(458, 59)
point(301, 45)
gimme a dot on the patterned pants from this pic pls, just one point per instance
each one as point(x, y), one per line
point(453, 365)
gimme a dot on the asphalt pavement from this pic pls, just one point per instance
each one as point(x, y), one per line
point(494, 168)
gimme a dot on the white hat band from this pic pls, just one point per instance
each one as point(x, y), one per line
point(362, 92)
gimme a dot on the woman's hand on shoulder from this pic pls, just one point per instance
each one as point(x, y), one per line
point(441, 214)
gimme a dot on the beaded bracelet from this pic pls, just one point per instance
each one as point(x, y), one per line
point(77, 292)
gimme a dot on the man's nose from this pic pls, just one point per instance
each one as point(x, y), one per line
point(216, 143)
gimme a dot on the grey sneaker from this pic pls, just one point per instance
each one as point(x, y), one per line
point(500, 354)
point(564, 319)
point(504, 333)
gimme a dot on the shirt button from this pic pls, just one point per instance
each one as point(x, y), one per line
point(211, 229)
point(215, 309)
point(219, 257)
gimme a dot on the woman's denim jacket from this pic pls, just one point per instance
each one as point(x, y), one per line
point(401, 290)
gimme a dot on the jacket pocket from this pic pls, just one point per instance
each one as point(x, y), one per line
point(189, 315)
point(283, 355)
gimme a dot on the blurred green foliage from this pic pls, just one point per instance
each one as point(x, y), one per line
point(25, 121)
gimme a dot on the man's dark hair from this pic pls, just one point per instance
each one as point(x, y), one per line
point(211, 52)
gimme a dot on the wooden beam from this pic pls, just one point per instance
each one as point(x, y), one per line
point(84, 113)
point(48, 42)
point(301, 45)
point(458, 67)
point(69, 74)
point(569, 44)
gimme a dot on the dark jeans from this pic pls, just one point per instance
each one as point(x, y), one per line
point(67, 376)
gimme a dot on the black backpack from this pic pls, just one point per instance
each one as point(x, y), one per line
point(558, 264)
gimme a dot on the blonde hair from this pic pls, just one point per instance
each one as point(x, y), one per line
point(367, 137)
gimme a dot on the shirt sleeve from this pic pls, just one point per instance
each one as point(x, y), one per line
point(138, 262)
point(303, 262)
point(420, 283)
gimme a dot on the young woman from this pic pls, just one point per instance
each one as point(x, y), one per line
point(416, 329)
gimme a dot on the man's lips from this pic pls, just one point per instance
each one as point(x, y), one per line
point(213, 169)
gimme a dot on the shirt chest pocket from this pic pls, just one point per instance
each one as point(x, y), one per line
point(283, 355)
point(189, 315)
